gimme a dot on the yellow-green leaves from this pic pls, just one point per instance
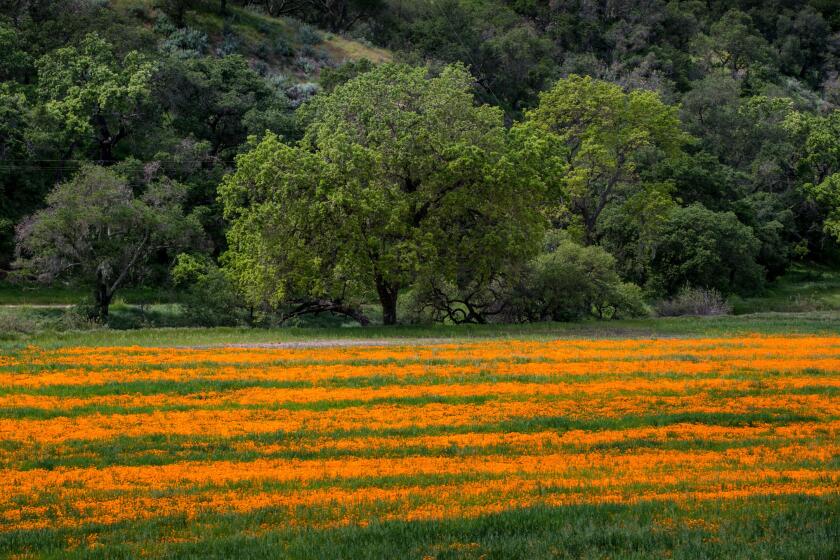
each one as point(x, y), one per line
point(399, 176)
point(91, 94)
point(819, 166)
point(591, 136)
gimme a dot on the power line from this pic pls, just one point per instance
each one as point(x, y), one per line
point(105, 160)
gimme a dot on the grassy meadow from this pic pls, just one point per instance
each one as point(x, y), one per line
point(703, 441)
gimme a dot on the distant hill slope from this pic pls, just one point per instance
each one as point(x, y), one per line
point(272, 45)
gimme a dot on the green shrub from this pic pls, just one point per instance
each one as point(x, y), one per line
point(283, 48)
point(164, 25)
point(209, 299)
point(186, 43)
point(567, 282)
point(76, 318)
point(230, 43)
point(570, 282)
point(308, 35)
point(13, 323)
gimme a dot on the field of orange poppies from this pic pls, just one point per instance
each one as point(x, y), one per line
point(690, 447)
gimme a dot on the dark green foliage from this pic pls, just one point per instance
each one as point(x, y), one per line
point(510, 59)
point(772, 222)
point(21, 191)
point(210, 299)
point(15, 63)
point(221, 100)
point(93, 98)
point(185, 43)
point(636, 112)
point(333, 77)
point(700, 177)
point(707, 249)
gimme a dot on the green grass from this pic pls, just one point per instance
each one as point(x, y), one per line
point(802, 288)
point(767, 323)
point(14, 294)
point(791, 527)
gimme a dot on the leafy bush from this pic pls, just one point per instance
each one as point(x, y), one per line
point(164, 25)
point(230, 42)
point(308, 35)
point(186, 43)
point(331, 78)
point(283, 48)
point(14, 323)
point(570, 282)
point(139, 11)
point(626, 300)
point(318, 55)
point(77, 318)
point(306, 65)
point(299, 93)
point(307, 51)
point(567, 282)
point(280, 82)
point(210, 298)
point(261, 68)
point(694, 301)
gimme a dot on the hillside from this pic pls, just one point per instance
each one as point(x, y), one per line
point(518, 162)
point(208, 81)
point(271, 44)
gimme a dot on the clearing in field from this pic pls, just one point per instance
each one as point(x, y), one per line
point(697, 447)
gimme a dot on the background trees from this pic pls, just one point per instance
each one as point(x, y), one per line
point(222, 100)
point(819, 164)
point(618, 123)
point(284, 250)
point(707, 249)
point(93, 97)
point(605, 135)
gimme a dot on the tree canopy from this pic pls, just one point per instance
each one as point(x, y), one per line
point(395, 167)
point(95, 97)
point(605, 135)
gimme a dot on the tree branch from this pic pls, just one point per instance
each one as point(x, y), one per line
point(127, 268)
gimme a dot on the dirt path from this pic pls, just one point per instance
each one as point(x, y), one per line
point(332, 343)
point(36, 305)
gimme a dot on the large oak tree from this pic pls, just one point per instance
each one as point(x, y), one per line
point(398, 175)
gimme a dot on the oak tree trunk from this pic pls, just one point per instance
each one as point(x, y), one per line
point(388, 293)
point(102, 299)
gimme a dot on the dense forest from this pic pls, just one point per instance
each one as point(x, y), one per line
point(452, 160)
